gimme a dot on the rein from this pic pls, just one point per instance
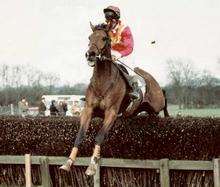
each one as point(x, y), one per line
point(106, 58)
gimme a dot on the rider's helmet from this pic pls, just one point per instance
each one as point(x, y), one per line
point(112, 12)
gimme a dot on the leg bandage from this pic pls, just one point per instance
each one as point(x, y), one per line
point(96, 155)
point(73, 154)
point(96, 152)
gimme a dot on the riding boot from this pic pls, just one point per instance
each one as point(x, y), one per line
point(132, 82)
point(135, 91)
point(135, 96)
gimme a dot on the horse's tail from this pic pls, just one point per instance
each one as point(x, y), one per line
point(166, 114)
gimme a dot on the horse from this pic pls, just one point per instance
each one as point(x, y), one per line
point(107, 95)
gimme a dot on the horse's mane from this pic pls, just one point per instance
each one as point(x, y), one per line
point(101, 26)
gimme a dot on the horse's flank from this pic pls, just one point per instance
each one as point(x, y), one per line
point(154, 95)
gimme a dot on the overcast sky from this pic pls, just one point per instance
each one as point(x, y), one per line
point(53, 34)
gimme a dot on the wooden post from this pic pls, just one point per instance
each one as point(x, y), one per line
point(28, 170)
point(216, 172)
point(164, 173)
point(12, 109)
point(96, 177)
point(45, 173)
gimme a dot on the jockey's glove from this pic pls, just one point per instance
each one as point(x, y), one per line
point(114, 58)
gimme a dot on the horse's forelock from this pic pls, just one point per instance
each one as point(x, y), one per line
point(101, 27)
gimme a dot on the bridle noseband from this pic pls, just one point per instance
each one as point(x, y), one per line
point(101, 56)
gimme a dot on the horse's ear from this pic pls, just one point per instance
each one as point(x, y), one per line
point(92, 26)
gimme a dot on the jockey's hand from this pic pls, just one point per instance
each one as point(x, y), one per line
point(114, 58)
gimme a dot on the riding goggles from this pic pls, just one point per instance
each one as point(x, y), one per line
point(110, 15)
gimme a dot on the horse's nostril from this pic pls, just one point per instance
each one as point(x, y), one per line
point(92, 53)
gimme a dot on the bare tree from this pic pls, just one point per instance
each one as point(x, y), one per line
point(51, 79)
point(183, 78)
point(5, 75)
point(174, 73)
point(17, 74)
point(208, 83)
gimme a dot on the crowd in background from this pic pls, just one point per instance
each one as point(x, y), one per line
point(56, 108)
point(59, 109)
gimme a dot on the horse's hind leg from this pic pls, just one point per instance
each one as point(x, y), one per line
point(84, 124)
point(110, 117)
point(165, 111)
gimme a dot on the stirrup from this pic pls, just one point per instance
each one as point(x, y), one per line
point(134, 95)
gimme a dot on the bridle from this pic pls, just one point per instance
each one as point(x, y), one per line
point(101, 55)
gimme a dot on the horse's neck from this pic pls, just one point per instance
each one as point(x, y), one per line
point(104, 70)
point(105, 73)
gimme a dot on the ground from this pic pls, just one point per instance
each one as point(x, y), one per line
point(205, 112)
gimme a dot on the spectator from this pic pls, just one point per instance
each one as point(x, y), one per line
point(23, 107)
point(42, 107)
point(76, 109)
point(65, 108)
point(53, 109)
point(60, 108)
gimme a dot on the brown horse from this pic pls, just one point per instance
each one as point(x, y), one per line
point(107, 96)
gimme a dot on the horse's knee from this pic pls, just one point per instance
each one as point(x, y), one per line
point(86, 115)
point(110, 116)
point(87, 111)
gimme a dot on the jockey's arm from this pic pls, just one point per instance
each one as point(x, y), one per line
point(125, 46)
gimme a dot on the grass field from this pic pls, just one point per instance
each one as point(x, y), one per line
point(205, 112)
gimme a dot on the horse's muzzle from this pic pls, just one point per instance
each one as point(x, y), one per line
point(90, 56)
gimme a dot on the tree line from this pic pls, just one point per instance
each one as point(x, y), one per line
point(190, 88)
point(187, 88)
point(25, 81)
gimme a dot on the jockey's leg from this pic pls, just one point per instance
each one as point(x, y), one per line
point(134, 94)
point(110, 117)
point(84, 124)
point(133, 81)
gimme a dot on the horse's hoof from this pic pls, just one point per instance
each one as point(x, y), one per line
point(91, 170)
point(67, 165)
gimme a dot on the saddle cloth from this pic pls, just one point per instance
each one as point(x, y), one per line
point(140, 87)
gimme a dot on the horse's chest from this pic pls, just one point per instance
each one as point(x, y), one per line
point(102, 104)
point(99, 103)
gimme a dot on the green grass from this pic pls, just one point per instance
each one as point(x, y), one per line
point(205, 112)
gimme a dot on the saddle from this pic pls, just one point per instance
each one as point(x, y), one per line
point(125, 74)
point(132, 105)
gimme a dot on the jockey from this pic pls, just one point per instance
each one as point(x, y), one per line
point(121, 40)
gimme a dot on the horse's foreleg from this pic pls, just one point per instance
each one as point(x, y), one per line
point(110, 117)
point(84, 124)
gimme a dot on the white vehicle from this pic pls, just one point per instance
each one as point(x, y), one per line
point(33, 111)
point(68, 99)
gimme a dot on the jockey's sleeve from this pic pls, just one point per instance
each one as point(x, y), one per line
point(125, 46)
